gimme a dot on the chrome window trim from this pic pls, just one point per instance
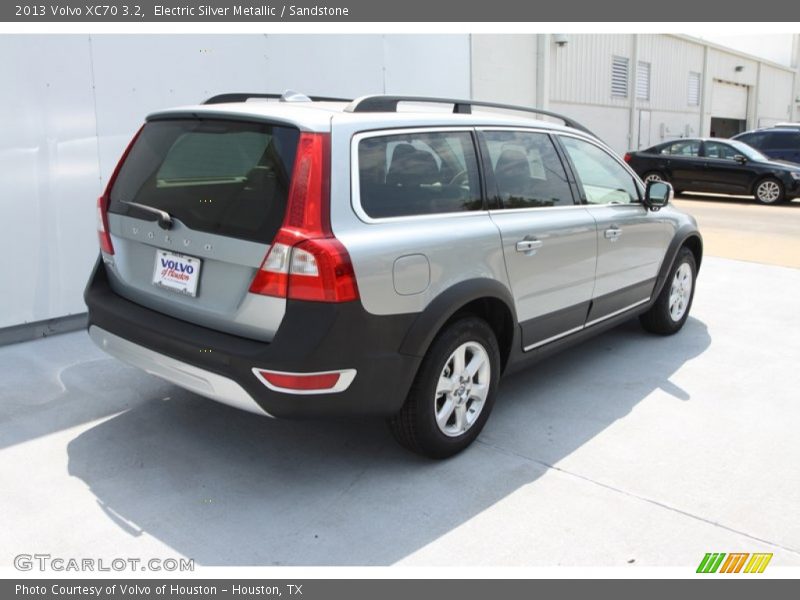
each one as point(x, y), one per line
point(355, 184)
point(502, 211)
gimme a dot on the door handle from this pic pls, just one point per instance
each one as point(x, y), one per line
point(613, 233)
point(529, 246)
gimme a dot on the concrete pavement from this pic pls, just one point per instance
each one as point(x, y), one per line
point(740, 228)
point(631, 449)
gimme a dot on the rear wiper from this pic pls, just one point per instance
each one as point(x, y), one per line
point(164, 218)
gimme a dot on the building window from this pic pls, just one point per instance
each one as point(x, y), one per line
point(643, 80)
point(694, 89)
point(619, 77)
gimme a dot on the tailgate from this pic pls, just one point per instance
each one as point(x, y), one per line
point(223, 187)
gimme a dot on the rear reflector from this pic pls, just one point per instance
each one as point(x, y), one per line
point(306, 383)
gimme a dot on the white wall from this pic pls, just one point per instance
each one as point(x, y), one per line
point(775, 96)
point(581, 86)
point(671, 60)
point(69, 105)
point(49, 176)
point(609, 123)
point(581, 70)
point(504, 68)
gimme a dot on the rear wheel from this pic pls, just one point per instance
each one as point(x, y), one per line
point(769, 191)
point(453, 393)
point(671, 308)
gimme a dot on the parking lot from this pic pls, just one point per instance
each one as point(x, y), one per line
point(738, 228)
point(628, 450)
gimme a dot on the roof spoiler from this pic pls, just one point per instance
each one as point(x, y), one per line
point(287, 96)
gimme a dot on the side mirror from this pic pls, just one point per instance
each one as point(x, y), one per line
point(658, 194)
point(740, 158)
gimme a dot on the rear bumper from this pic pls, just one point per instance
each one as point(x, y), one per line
point(201, 381)
point(313, 337)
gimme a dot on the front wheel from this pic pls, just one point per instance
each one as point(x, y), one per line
point(453, 393)
point(769, 191)
point(671, 308)
point(653, 176)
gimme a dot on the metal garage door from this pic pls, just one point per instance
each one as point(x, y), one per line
point(729, 100)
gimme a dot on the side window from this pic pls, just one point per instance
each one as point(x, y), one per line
point(756, 140)
point(527, 169)
point(691, 148)
point(719, 150)
point(603, 178)
point(418, 174)
point(776, 141)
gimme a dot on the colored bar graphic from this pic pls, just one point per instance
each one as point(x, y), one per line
point(758, 563)
point(730, 563)
point(733, 564)
point(740, 564)
point(702, 566)
point(734, 560)
point(710, 562)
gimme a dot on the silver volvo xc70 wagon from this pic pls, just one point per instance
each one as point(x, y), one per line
point(392, 256)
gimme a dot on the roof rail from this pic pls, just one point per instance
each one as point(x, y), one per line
point(286, 97)
point(381, 103)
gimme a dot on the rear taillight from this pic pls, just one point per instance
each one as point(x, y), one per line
point(102, 225)
point(306, 261)
point(627, 157)
point(103, 201)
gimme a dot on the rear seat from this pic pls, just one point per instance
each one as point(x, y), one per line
point(413, 185)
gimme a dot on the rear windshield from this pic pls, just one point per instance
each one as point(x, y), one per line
point(225, 177)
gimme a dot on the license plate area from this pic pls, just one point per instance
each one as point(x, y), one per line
point(177, 272)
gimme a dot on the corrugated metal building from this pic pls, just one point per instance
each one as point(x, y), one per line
point(70, 103)
point(636, 90)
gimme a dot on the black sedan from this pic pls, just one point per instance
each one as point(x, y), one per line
point(717, 166)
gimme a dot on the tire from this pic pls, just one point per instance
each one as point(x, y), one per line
point(769, 191)
point(415, 427)
point(654, 176)
point(671, 308)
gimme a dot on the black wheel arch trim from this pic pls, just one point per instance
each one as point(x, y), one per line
point(684, 234)
point(442, 308)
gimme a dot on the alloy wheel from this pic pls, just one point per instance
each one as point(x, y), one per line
point(462, 389)
point(680, 292)
point(768, 191)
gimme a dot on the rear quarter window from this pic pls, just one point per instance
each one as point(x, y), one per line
point(756, 140)
point(780, 140)
point(421, 173)
point(224, 177)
